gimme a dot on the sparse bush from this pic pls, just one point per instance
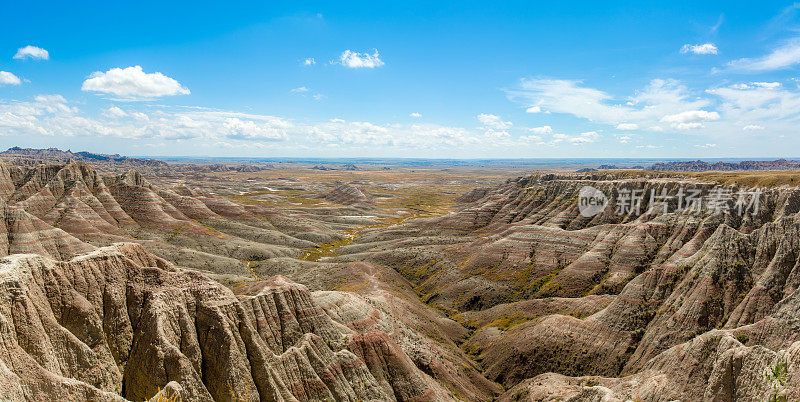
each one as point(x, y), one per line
point(776, 378)
point(742, 338)
point(166, 397)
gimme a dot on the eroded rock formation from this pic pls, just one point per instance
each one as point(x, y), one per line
point(515, 290)
point(119, 322)
point(521, 266)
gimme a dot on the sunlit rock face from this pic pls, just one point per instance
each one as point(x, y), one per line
point(715, 283)
point(120, 323)
point(517, 294)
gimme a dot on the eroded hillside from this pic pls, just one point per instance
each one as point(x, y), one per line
point(232, 286)
point(545, 289)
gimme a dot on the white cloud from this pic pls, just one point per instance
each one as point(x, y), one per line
point(54, 115)
point(770, 85)
point(304, 91)
point(272, 129)
point(751, 127)
point(753, 103)
point(644, 108)
point(309, 61)
point(782, 57)
point(366, 134)
point(690, 116)
point(132, 83)
point(649, 146)
point(493, 121)
point(533, 109)
point(624, 139)
point(541, 130)
point(531, 138)
point(690, 119)
point(497, 134)
point(705, 48)
point(114, 113)
point(706, 146)
point(31, 52)
point(54, 104)
point(7, 78)
point(686, 126)
point(353, 59)
point(415, 114)
point(583, 138)
point(627, 126)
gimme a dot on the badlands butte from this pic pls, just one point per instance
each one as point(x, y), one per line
point(124, 279)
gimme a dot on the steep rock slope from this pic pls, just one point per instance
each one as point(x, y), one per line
point(119, 322)
point(53, 209)
point(666, 279)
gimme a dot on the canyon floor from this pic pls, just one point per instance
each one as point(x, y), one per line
point(293, 281)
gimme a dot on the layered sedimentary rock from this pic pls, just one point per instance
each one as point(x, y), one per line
point(120, 323)
point(347, 194)
point(702, 166)
point(628, 303)
point(56, 210)
point(518, 262)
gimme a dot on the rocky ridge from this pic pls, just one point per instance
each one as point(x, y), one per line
point(549, 303)
point(521, 266)
point(119, 323)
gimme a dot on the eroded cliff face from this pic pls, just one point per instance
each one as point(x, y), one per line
point(522, 267)
point(120, 323)
point(65, 210)
point(537, 299)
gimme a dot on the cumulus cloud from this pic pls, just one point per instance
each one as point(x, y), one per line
point(752, 127)
point(624, 139)
point(533, 109)
point(582, 138)
point(7, 78)
point(132, 83)
point(541, 130)
point(415, 114)
point(589, 136)
point(352, 59)
point(299, 90)
point(627, 126)
point(706, 146)
point(784, 56)
point(689, 119)
point(367, 134)
point(273, 129)
point(705, 48)
point(54, 115)
point(309, 61)
point(114, 113)
point(31, 52)
point(493, 121)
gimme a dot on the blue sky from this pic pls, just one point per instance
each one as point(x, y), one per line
point(410, 79)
